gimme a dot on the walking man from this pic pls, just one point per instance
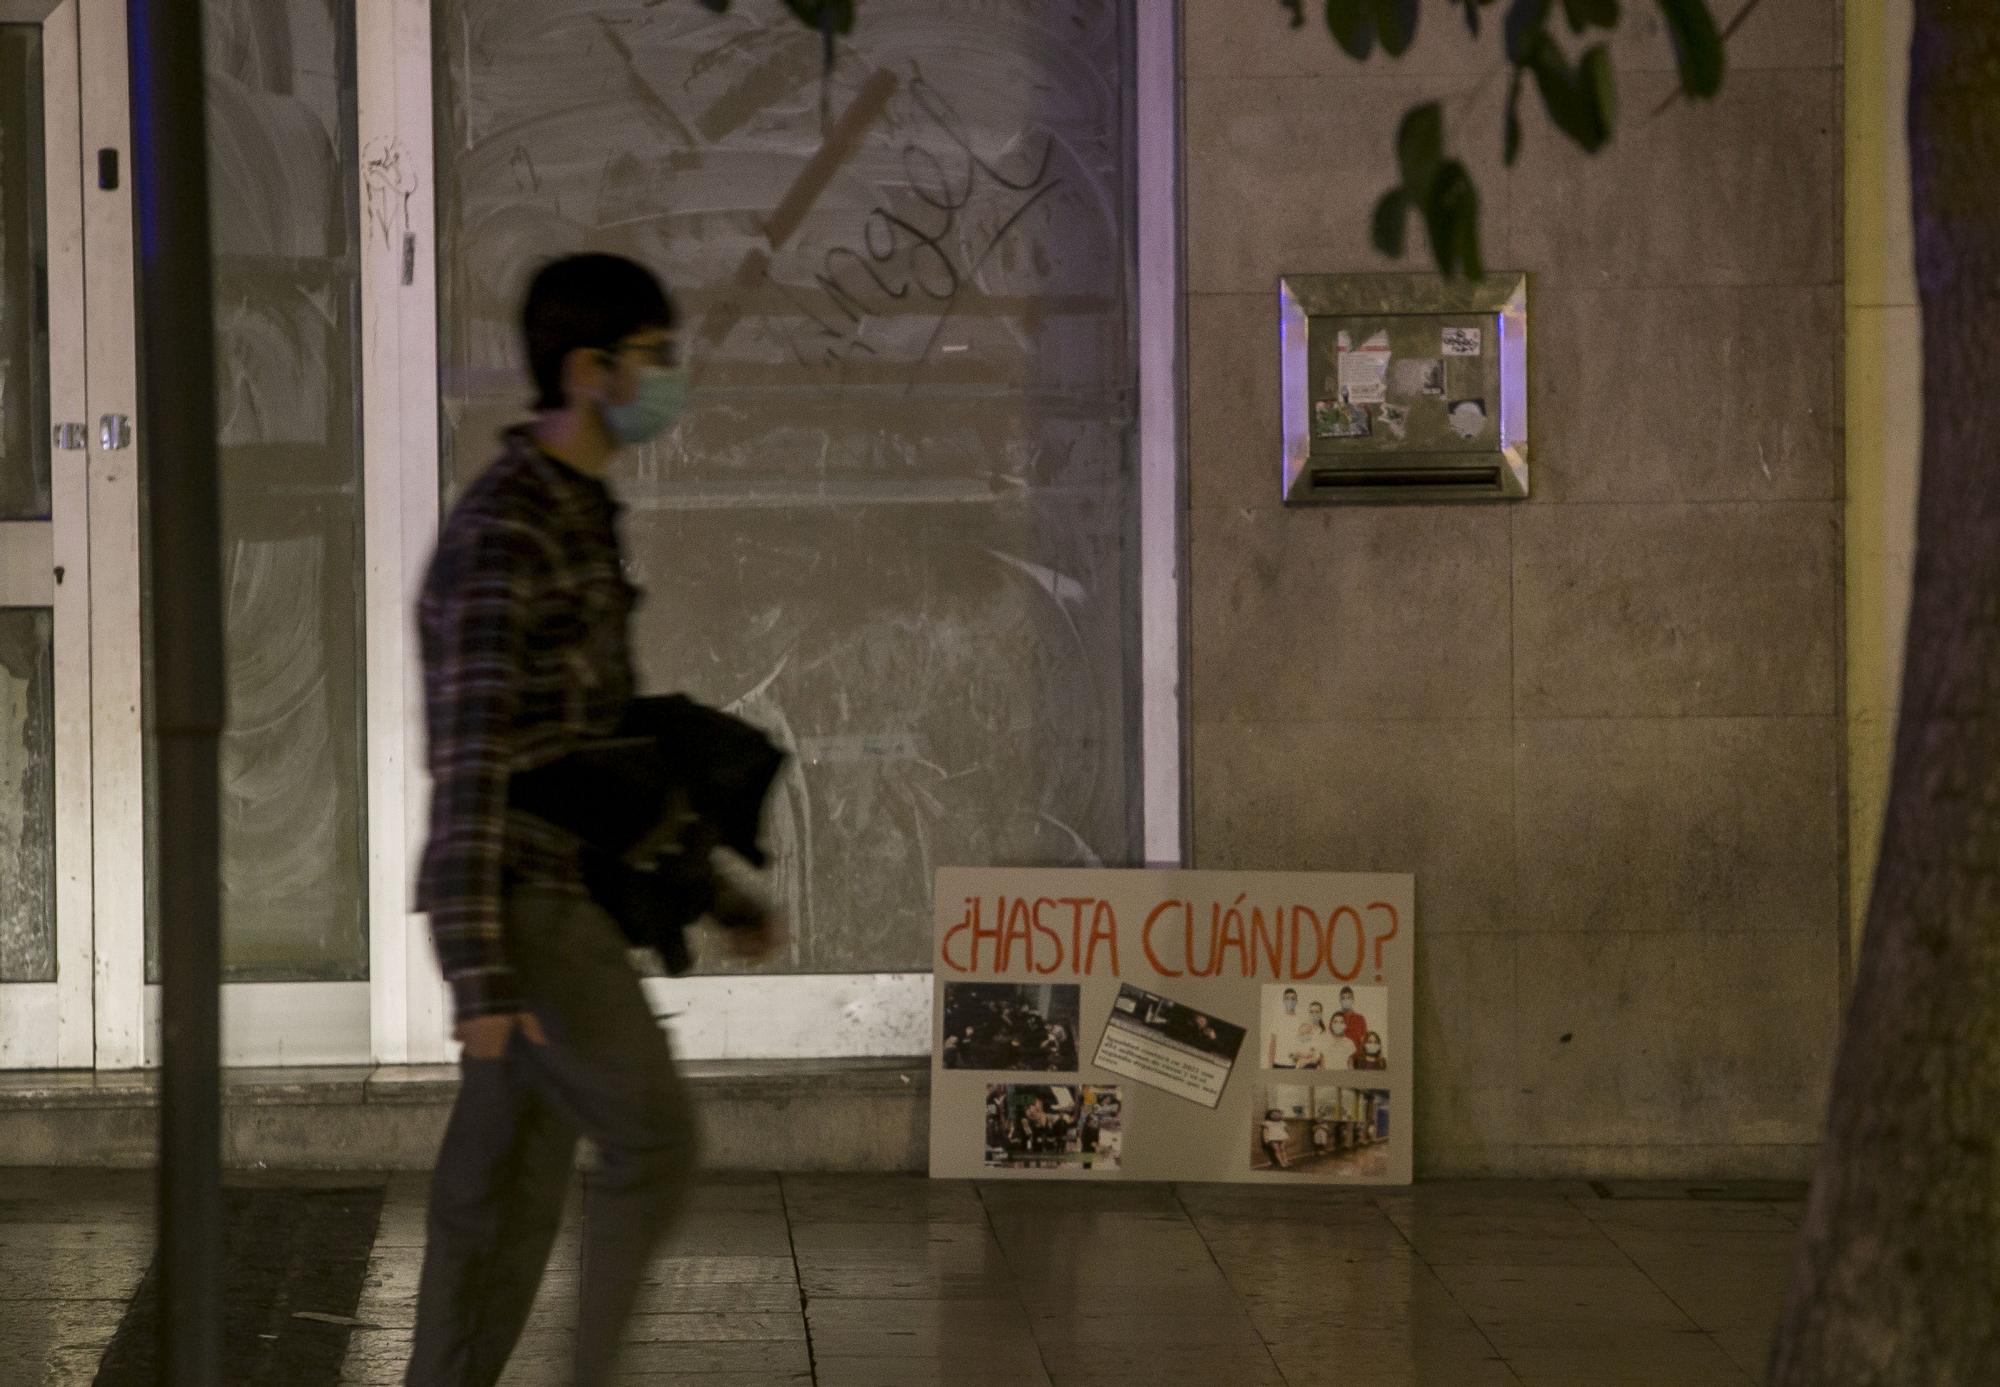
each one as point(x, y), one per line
point(524, 620)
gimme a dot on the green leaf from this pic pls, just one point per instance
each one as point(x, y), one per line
point(1527, 25)
point(1590, 14)
point(1471, 263)
point(1396, 25)
point(828, 16)
point(1352, 23)
point(1472, 9)
point(1451, 218)
point(1697, 45)
point(1460, 198)
point(1600, 84)
point(1443, 233)
point(1511, 130)
point(1559, 93)
point(1392, 214)
point(1569, 98)
point(1420, 145)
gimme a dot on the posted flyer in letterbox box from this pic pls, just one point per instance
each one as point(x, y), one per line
point(1173, 1025)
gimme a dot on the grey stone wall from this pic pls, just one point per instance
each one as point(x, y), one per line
point(1602, 726)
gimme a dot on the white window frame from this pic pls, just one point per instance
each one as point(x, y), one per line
point(49, 1024)
point(265, 1023)
point(410, 1014)
point(730, 1017)
point(402, 1013)
point(118, 750)
point(1162, 596)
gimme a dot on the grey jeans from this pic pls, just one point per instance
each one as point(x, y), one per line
point(504, 1169)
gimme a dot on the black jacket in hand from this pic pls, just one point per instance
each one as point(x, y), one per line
point(651, 805)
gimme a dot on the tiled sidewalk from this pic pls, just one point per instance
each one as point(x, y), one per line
point(895, 1282)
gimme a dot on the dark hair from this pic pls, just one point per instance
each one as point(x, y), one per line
point(593, 301)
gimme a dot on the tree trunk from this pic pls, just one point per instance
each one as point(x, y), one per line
point(1898, 1275)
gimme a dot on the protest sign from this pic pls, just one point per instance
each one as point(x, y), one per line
point(1170, 1025)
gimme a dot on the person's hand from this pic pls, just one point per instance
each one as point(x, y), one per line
point(755, 943)
point(486, 1037)
point(753, 926)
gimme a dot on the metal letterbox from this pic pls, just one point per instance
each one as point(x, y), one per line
point(1403, 387)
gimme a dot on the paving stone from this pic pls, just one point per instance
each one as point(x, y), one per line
point(876, 1277)
point(905, 1283)
point(879, 1199)
point(879, 1371)
point(988, 1330)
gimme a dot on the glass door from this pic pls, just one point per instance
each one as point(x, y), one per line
point(285, 184)
point(46, 1004)
point(78, 931)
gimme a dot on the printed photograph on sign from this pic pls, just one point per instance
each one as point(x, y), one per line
point(1320, 1027)
point(1053, 1126)
point(1323, 1131)
point(1011, 1026)
point(1168, 1045)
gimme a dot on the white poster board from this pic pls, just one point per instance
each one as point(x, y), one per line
point(1168, 1025)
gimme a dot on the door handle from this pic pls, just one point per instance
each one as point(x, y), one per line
point(68, 438)
point(114, 431)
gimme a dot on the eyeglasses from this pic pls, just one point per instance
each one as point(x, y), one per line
point(666, 353)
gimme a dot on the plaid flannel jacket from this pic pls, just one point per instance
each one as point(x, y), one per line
point(523, 618)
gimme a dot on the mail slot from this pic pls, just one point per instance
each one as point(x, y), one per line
point(1403, 388)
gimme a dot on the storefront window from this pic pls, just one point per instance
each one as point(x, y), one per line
point(896, 528)
point(283, 172)
point(27, 713)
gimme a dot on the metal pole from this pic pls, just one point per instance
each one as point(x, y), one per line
point(177, 431)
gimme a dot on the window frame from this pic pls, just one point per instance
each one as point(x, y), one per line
point(720, 1017)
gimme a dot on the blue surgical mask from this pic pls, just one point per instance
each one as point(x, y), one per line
point(655, 407)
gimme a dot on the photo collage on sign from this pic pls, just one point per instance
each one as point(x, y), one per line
point(1313, 1122)
point(1158, 1024)
point(1034, 1028)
